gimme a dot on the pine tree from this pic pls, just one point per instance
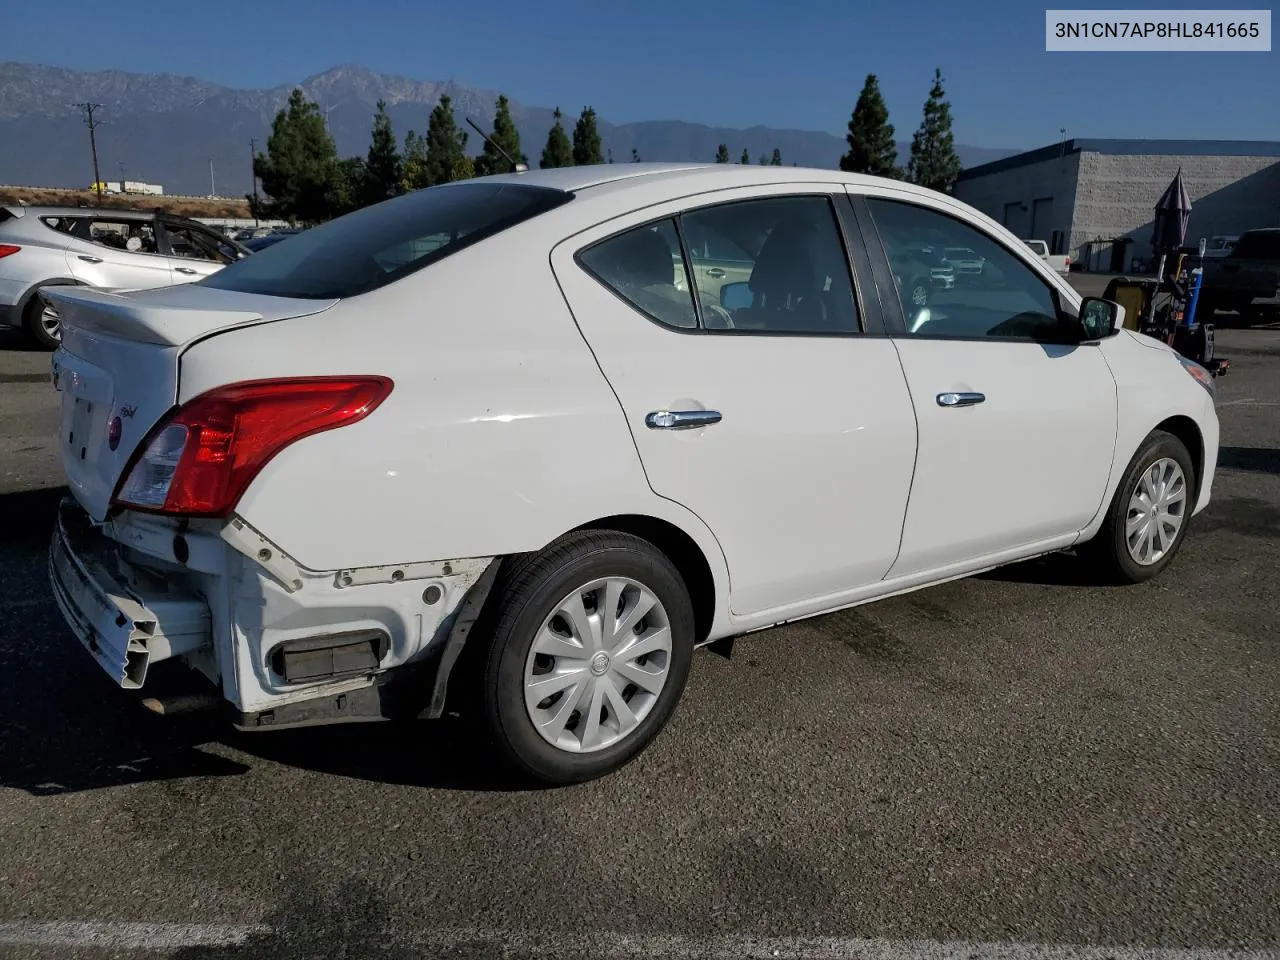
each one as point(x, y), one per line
point(746, 157)
point(447, 158)
point(934, 163)
point(504, 135)
point(383, 168)
point(635, 156)
point(722, 153)
point(776, 160)
point(610, 155)
point(557, 152)
point(348, 186)
point(870, 137)
point(414, 165)
point(586, 140)
point(762, 161)
point(297, 170)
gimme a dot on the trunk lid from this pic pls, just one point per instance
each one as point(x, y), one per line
point(118, 368)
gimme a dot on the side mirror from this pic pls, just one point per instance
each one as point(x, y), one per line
point(1100, 318)
point(736, 296)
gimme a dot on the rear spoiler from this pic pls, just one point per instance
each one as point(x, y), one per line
point(102, 311)
point(15, 212)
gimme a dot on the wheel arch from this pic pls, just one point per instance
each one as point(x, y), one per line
point(1188, 431)
point(682, 550)
point(25, 300)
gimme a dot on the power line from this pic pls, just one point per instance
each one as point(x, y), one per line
point(92, 124)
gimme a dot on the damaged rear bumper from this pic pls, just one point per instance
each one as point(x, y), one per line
point(124, 629)
point(276, 644)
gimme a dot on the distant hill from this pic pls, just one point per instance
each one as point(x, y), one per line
point(166, 129)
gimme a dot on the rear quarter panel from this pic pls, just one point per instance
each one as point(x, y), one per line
point(500, 434)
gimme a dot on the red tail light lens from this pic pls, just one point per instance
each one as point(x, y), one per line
point(201, 458)
point(7, 249)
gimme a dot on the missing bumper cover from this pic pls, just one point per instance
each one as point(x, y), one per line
point(329, 657)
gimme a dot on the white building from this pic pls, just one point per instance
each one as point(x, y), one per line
point(1095, 199)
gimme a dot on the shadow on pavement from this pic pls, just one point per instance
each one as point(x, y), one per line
point(1054, 570)
point(18, 342)
point(1251, 459)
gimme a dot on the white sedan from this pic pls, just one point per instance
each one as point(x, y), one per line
point(512, 443)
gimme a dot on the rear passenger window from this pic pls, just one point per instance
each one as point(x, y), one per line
point(645, 268)
point(133, 236)
point(771, 266)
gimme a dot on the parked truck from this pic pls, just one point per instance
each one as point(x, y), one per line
point(1250, 272)
point(1059, 261)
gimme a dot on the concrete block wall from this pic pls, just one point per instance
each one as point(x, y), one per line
point(1115, 196)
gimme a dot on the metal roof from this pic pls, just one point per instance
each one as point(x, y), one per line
point(1151, 148)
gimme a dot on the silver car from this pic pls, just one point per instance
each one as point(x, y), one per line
point(108, 249)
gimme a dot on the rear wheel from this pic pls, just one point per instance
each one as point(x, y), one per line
point(1147, 520)
point(589, 655)
point(42, 324)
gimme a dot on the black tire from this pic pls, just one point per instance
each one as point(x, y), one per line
point(1108, 550)
point(527, 593)
point(31, 322)
point(919, 294)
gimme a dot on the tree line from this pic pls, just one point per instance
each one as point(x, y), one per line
point(305, 180)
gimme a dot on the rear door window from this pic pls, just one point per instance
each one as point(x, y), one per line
point(383, 243)
point(129, 236)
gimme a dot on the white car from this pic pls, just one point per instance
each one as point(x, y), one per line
point(479, 427)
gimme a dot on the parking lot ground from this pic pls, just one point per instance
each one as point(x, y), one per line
point(1017, 765)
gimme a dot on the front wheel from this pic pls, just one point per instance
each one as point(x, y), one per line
point(1148, 517)
point(589, 655)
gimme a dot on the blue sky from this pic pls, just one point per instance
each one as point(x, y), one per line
point(796, 64)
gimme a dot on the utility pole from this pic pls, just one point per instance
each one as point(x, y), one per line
point(92, 124)
point(213, 191)
point(253, 174)
point(1062, 143)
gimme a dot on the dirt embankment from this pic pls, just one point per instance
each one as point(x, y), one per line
point(182, 206)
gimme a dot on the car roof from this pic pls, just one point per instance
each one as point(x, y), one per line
point(621, 176)
point(18, 210)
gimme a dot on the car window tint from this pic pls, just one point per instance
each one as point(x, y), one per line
point(383, 243)
point(192, 244)
point(997, 296)
point(131, 236)
point(644, 266)
point(793, 275)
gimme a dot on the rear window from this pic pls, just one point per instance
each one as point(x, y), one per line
point(380, 244)
point(1263, 245)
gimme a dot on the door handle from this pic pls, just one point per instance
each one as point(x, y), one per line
point(960, 399)
point(681, 419)
point(715, 273)
point(184, 269)
point(88, 259)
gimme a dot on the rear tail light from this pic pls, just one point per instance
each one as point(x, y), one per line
point(199, 459)
point(8, 249)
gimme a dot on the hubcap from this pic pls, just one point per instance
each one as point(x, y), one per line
point(49, 321)
point(1157, 509)
point(597, 665)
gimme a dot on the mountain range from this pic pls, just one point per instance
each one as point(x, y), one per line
point(166, 129)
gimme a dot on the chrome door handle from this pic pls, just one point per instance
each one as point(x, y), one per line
point(184, 269)
point(88, 259)
point(681, 419)
point(715, 273)
point(960, 399)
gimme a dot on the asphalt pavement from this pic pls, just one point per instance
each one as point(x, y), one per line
point(1016, 765)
